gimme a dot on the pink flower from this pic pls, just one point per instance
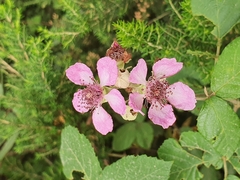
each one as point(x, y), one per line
point(92, 97)
point(158, 92)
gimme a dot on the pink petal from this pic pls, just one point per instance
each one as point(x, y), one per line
point(166, 67)
point(107, 71)
point(116, 101)
point(139, 73)
point(162, 115)
point(79, 102)
point(136, 102)
point(181, 96)
point(80, 74)
point(102, 121)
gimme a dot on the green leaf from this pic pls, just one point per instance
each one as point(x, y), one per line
point(223, 14)
point(210, 173)
point(77, 154)
point(139, 167)
point(185, 165)
point(8, 145)
point(144, 135)
point(124, 137)
point(235, 159)
point(226, 73)
point(232, 177)
point(220, 125)
point(194, 140)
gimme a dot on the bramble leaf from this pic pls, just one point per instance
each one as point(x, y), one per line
point(77, 154)
point(220, 125)
point(139, 167)
point(144, 135)
point(194, 140)
point(223, 14)
point(226, 73)
point(185, 165)
point(124, 137)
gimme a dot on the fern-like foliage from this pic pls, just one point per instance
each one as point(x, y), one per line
point(82, 17)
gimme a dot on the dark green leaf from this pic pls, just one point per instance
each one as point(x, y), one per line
point(144, 135)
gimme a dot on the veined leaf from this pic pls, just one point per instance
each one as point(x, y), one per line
point(194, 140)
point(139, 168)
point(226, 73)
point(223, 13)
point(220, 125)
point(235, 159)
point(184, 164)
point(77, 154)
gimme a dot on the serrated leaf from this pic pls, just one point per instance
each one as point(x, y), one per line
point(139, 168)
point(124, 137)
point(220, 125)
point(226, 73)
point(144, 135)
point(224, 14)
point(184, 164)
point(235, 159)
point(194, 140)
point(77, 154)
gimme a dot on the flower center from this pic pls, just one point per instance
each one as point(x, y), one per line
point(92, 96)
point(156, 91)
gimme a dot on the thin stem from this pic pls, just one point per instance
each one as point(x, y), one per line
point(225, 167)
point(175, 10)
point(219, 44)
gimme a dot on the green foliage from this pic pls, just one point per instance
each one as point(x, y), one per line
point(223, 14)
point(77, 154)
point(39, 40)
point(226, 73)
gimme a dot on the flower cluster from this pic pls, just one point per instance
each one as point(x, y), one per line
point(155, 91)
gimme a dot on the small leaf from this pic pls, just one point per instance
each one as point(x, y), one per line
point(77, 154)
point(8, 145)
point(139, 168)
point(185, 165)
point(232, 177)
point(223, 14)
point(235, 159)
point(124, 137)
point(226, 73)
point(220, 125)
point(194, 140)
point(210, 173)
point(144, 135)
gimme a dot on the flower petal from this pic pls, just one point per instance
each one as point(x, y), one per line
point(181, 96)
point(102, 121)
point(107, 71)
point(80, 74)
point(79, 102)
point(116, 101)
point(136, 102)
point(162, 115)
point(166, 67)
point(139, 73)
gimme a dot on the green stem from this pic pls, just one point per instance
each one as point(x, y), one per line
point(219, 44)
point(225, 167)
point(175, 10)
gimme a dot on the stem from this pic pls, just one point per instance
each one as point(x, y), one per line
point(219, 44)
point(175, 10)
point(225, 167)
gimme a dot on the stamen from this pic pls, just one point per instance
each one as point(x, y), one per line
point(156, 91)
